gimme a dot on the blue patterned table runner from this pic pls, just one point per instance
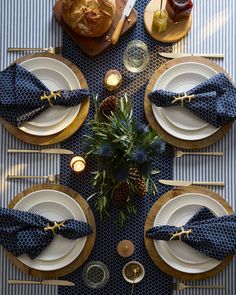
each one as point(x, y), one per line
point(108, 232)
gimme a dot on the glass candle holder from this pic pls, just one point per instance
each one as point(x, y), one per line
point(95, 275)
point(136, 56)
point(113, 80)
point(160, 21)
point(77, 164)
point(179, 9)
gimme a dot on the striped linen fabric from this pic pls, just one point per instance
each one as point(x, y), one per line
point(213, 31)
point(23, 23)
point(29, 23)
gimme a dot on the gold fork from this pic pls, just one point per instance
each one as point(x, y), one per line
point(53, 178)
point(181, 286)
point(54, 50)
point(179, 154)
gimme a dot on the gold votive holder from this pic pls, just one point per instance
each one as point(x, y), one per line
point(78, 164)
point(113, 80)
point(160, 21)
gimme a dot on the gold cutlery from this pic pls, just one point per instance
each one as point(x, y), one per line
point(181, 286)
point(177, 55)
point(54, 50)
point(128, 8)
point(135, 271)
point(45, 282)
point(43, 151)
point(53, 178)
point(188, 183)
point(179, 154)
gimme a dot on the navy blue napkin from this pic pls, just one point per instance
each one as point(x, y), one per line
point(21, 92)
point(28, 233)
point(214, 100)
point(210, 235)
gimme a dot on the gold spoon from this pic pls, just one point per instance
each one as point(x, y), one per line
point(135, 270)
point(179, 154)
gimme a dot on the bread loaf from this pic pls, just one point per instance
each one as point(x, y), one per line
point(91, 18)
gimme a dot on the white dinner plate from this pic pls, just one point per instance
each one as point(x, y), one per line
point(72, 208)
point(56, 76)
point(54, 211)
point(176, 120)
point(177, 212)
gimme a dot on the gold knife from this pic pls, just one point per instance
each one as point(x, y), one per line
point(43, 151)
point(188, 183)
point(45, 282)
point(177, 55)
point(128, 8)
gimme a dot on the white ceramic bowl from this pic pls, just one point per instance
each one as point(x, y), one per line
point(139, 278)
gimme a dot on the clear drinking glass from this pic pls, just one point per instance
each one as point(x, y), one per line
point(136, 56)
point(95, 274)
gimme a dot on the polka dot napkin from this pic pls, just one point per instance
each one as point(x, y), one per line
point(28, 233)
point(23, 96)
point(211, 235)
point(214, 100)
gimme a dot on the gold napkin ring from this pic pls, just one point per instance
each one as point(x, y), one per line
point(52, 95)
point(57, 225)
point(179, 234)
point(182, 98)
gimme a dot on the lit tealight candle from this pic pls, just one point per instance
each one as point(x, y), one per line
point(112, 80)
point(78, 164)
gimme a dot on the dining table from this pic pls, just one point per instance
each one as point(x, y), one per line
point(30, 23)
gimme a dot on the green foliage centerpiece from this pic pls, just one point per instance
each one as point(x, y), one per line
point(124, 151)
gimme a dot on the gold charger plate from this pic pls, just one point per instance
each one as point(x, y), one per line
point(68, 131)
point(89, 241)
point(149, 244)
point(181, 143)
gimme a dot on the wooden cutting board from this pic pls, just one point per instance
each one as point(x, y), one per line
point(94, 46)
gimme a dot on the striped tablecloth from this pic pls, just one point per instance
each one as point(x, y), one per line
point(29, 23)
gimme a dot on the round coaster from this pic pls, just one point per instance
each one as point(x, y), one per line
point(174, 31)
point(78, 261)
point(150, 244)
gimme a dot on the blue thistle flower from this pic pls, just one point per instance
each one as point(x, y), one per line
point(139, 155)
point(141, 129)
point(145, 168)
point(121, 173)
point(158, 146)
point(105, 150)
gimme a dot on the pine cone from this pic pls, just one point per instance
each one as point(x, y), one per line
point(138, 182)
point(108, 105)
point(121, 194)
